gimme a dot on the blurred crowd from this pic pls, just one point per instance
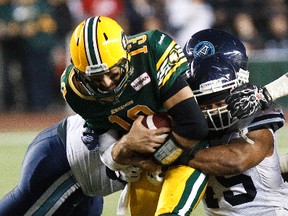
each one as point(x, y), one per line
point(34, 36)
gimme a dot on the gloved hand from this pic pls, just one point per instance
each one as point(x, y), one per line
point(156, 177)
point(90, 138)
point(130, 174)
point(248, 99)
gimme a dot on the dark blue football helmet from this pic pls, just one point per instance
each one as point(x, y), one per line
point(218, 42)
point(212, 79)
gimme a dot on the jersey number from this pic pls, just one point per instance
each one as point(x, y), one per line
point(137, 110)
point(229, 196)
point(132, 113)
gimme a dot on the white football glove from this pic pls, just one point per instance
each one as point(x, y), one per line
point(156, 177)
point(130, 174)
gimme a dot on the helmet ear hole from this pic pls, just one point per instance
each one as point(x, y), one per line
point(105, 36)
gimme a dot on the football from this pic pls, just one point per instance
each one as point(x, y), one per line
point(157, 120)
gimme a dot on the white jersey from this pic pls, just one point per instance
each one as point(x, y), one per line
point(258, 191)
point(86, 166)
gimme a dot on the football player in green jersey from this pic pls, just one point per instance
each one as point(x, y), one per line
point(114, 80)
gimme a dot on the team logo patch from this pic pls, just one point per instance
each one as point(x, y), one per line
point(203, 48)
point(141, 81)
point(124, 41)
point(173, 57)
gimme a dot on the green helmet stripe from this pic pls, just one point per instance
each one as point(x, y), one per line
point(91, 47)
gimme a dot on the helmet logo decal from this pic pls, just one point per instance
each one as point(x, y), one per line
point(203, 48)
point(96, 69)
point(173, 57)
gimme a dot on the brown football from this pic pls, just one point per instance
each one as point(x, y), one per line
point(157, 120)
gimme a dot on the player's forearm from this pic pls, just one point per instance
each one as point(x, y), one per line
point(278, 88)
point(119, 151)
point(220, 160)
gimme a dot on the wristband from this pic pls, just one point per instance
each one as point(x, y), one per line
point(168, 152)
point(278, 88)
point(107, 159)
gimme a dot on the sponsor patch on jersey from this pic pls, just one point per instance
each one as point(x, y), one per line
point(141, 81)
point(203, 48)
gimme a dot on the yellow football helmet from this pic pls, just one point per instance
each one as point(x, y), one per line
point(98, 44)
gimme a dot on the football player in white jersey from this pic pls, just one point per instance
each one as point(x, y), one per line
point(60, 176)
point(242, 158)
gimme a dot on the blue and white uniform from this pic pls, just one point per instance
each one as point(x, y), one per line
point(259, 190)
point(60, 179)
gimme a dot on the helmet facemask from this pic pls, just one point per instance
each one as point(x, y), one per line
point(93, 75)
point(216, 113)
point(212, 79)
point(243, 76)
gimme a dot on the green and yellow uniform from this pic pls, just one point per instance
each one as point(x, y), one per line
point(152, 77)
point(157, 61)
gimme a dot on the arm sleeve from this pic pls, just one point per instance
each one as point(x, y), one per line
point(189, 120)
point(187, 116)
point(279, 87)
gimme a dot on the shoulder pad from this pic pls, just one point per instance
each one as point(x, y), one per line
point(271, 118)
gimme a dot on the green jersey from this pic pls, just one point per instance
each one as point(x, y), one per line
point(157, 61)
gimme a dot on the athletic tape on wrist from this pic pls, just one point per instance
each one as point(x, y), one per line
point(168, 152)
point(107, 159)
point(278, 88)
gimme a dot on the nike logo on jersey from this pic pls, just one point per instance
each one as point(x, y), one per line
point(161, 39)
point(141, 81)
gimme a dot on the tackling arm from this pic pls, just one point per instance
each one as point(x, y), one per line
point(139, 142)
point(189, 124)
point(235, 157)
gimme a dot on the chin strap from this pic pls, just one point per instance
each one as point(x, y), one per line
point(247, 139)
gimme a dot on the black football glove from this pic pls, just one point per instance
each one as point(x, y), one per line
point(90, 138)
point(248, 99)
